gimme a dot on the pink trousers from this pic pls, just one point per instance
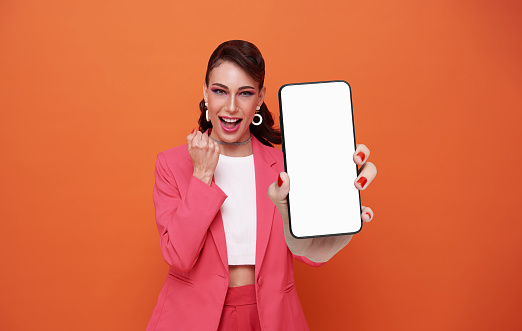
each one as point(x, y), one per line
point(240, 310)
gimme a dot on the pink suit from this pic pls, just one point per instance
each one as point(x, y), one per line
point(193, 244)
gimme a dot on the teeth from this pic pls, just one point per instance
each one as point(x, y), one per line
point(230, 120)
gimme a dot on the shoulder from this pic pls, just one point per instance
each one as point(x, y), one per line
point(270, 151)
point(178, 152)
point(274, 152)
point(278, 155)
point(175, 159)
point(271, 155)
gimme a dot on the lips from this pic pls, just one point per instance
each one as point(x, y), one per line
point(230, 123)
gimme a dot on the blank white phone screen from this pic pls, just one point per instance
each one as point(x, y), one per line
point(318, 145)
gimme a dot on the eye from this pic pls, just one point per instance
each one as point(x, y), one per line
point(246, 93)
point(219, 91)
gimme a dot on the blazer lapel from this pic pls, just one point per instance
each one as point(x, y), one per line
point(265, 176)
point(218, 233)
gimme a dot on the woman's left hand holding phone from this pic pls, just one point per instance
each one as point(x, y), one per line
point(322, 249)
point(204, 153)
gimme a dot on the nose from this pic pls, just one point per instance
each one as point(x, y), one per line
point(232, 104)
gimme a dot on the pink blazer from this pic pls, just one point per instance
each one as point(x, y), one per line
point(192, 240)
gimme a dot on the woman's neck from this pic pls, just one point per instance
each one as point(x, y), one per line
point(236, 150)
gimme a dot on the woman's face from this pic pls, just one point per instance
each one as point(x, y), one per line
point(232, 97)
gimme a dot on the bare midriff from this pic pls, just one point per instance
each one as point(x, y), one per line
point(241, 275)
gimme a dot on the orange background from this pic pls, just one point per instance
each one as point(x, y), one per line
point(91, 91)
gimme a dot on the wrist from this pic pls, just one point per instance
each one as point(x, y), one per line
point(204, 177)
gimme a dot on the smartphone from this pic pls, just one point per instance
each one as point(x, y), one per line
point(318, 134)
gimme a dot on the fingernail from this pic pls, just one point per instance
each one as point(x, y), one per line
point(279, 181)
point(361, 155)
point(369, 215)
point(193, 131)
point(362, 181)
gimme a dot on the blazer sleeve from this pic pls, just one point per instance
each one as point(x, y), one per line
point(183, 220)
point(307, 261)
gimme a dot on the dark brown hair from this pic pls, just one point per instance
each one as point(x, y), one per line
point(248, 57)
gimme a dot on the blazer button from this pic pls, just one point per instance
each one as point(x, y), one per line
point(259, 281)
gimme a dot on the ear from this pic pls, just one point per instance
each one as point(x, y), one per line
point(261, 96)
point(205, 92)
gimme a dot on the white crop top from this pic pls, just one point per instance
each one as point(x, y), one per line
point(236, 177)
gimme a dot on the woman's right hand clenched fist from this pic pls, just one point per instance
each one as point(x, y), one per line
point(204, 153)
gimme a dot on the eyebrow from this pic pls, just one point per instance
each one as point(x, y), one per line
point(226, 87)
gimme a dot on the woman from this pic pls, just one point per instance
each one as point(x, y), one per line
point(229, 251)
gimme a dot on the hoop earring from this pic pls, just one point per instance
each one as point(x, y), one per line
point(206, 113)
point(259, 121)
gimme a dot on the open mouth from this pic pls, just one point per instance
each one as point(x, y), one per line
point(229, 123)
